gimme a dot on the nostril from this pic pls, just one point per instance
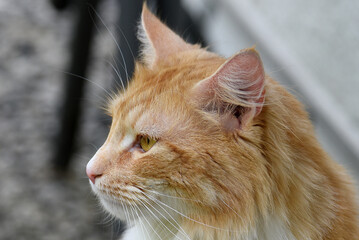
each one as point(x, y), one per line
point(92, 175)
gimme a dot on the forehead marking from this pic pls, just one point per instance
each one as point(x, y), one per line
point(127, 141)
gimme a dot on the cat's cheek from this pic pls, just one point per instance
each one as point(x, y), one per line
point(95, 190)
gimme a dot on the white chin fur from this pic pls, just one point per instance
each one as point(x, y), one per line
point(124, 211)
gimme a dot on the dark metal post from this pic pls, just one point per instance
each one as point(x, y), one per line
point(60, 4)
point(71, 112)
point(130, 12)
point(177, 18)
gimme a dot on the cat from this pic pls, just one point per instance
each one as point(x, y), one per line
point(207, 148)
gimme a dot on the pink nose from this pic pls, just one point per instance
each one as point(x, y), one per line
point(92, 175)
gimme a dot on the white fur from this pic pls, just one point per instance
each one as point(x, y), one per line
point(274, 229)
point(133, 234)
point(271, 229)
point(147, 51)
point(127, 141)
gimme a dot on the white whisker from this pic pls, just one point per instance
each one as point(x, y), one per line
point(117, 74)
point(185, 216)
point(98, 30)
point(174, 197)
point(143, 227)
point(149, 224)
point(95, 83)
point(178, 227)
point(128, 45)
point(158, 219)
point(114, 39)
point(132, 212)
point(231, 209)
point(124, 207)
point(116, 69)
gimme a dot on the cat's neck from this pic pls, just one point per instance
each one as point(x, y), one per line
point(165, 229)
point(155, 229)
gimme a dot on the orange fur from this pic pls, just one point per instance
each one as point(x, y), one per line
point(218, 182)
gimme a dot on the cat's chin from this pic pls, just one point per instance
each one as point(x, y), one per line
point(122, 211)
point(119, 209)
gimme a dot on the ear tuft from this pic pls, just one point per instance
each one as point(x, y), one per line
point(240, 81)
point(237, 87)
point(158, 41)
point(147, 52)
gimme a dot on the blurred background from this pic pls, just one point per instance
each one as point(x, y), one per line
point(61, 57)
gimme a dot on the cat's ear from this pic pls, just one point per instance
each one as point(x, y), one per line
point(158, 41)
point(235, 91)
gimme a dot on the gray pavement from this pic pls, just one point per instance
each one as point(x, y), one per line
point(35, 203)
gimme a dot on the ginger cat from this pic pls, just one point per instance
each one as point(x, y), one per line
point(207, 148)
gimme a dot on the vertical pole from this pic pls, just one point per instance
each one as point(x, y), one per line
point(130, 12)
point(71, 106)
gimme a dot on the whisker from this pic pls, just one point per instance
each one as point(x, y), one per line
point(174, 197)
point(113, 38)
point(108, 219)
point(154, 215)
point(82, 157)
point(98, 30)
point(86, 79)
point(149, 224)
point(132, 210)
point(124, 207)
point(185, 216)
point(143, 227)
point(128, 45)
point(117, 74)
point(174, 234)
point(231, 209)
point(124, 67)
point(116, 69)
point(178, 227)
point(94, 146)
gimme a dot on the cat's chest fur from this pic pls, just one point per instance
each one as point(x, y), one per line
point(272, 229)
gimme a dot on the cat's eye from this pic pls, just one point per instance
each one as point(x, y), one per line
point(147, 143)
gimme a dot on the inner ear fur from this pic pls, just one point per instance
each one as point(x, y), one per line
point(235, 91)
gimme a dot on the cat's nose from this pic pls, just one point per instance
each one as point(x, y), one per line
point(92, 175)
point(98, 164)
point(94, 169)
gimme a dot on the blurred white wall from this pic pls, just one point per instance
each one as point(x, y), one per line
point(312, 47)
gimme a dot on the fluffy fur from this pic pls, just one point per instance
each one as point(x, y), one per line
point(235, 158)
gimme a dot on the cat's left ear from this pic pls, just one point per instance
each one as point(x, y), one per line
point(235, 91)
point(158, 41)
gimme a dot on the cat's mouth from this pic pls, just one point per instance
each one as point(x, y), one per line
point(122, 205)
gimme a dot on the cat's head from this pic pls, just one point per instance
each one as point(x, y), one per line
point(185, 134)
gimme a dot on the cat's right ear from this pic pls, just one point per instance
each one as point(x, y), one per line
point(235, 91)
point(158, 41)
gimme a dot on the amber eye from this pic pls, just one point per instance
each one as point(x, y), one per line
point(147, 143)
